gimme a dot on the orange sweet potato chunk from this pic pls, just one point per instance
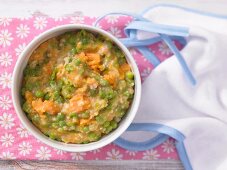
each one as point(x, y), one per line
point(45, 106)
point(123, 69)
point(79, 103)
point(111, 78)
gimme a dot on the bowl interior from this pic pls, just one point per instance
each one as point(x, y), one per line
point(17, 78)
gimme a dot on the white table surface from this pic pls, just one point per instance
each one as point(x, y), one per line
point(14, 8)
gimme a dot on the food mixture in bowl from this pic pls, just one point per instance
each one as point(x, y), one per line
point(77, 87)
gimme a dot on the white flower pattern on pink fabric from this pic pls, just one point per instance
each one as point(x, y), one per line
point(112, 19)
point(96, 151)
point(5, 59)
point(27, 17)
point(43, 153)
point(5, 38)
point(146, 72)
point(168, 146)
point(7, 140)
point(5, 102)
point(77, 19)
point(59, 18)
point(114, 155)
point(40, 23)
point(115, 31)
point(151, 154)
point(22, 132)
point(131, 153)
point(5, 21)
point(6, 80)
point(22, 31)
point(59, 152)
point(164, 49)
point(7, 121)
point(7, 155)
point(20, 49)
point(78, 155)
point(25, 148)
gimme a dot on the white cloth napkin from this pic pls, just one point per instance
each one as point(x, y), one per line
point(199, 112)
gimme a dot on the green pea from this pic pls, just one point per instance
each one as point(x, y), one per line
point(77, 62)
point(93, 92)
point(35, 118)
point(113, 124)
point(52, 136)
point(47, 96)
point(120, 113)
point(53, 84)
point(130, 82)
point(61, 123)
point(102, 94)
point(106, 93)
point(85, 40)
point(85, 129)
point(106, 124)
point(26, 107)
point(72, 40)
point(129, 75)
point(67, 91)
point(108, 129)
point(99, 119)
point(93, 136)
point(53, 75)
point(72, 115)
point(60, 83)
point(32, 85)
point(54, 124)
point(121, 61)
point(29, 86)
point(126, 93)
point(32, 71)
point(56, 93)
point(74, 51)
point(110, 94)
point(70, 124)
point(84, 115)
point(103, 82)
point(60, 99)
point(66, 81)
point(69, 67)
point(60, 116)
point(39, 93)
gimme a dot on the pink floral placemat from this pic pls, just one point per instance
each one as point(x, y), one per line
point(15, 141)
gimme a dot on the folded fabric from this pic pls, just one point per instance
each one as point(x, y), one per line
point(195, 115)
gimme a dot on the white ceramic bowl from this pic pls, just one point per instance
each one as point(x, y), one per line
point(18, 74)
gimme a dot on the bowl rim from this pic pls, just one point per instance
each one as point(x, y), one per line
point(124, 123)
